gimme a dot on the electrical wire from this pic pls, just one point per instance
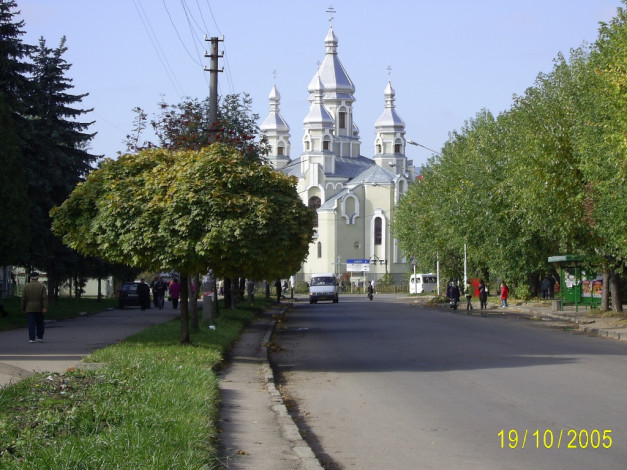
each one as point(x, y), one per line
point(157, 47)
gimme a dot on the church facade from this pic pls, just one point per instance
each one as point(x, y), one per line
point(354, 196)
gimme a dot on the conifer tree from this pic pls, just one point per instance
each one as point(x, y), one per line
point(14, 91)
point(56, 157)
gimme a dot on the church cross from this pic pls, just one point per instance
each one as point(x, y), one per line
point(330, 11)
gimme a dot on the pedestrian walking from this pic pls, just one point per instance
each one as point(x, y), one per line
point(504, 294)
point(175, 291)
point(143, 292)
point(452, 292)
point(35, 304)
point(483, 296)
point(468, 291)
point(278, 287)
point(545, 285)
point(552, 283)
point(370, 290)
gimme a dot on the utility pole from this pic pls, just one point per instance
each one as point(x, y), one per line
point(213, 117)
point(213, 81)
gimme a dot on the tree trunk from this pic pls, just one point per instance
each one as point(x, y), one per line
point(99, 289)
point(51, 287)
point(193, 303)
point(605, 296)
point(216, 302)
point(234, 292)
point(617, 302)
point(184, 336)
point(227, 292)
point(242, 288)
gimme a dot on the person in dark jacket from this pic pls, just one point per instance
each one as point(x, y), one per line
point(370, 290)
point(143, 292)
point(483, 295)
point(277, 286)
point(35, 304)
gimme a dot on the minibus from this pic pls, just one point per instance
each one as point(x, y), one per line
point(420, 283)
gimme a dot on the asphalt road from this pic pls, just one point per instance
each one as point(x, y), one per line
point(384, 384)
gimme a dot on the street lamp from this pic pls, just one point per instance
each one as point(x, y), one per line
point(411, 142)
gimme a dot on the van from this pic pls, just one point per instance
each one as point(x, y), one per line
point(323, 286)
point(419, 283)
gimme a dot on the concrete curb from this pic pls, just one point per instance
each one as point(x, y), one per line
point(289, 429)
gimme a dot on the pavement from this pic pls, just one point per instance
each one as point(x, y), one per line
point(257, 431)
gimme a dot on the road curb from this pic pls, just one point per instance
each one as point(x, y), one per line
point(289, 429)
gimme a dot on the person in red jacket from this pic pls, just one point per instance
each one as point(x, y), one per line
point(504, 294)
point(175, 291)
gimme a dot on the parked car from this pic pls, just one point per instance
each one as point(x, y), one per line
point(128, 295)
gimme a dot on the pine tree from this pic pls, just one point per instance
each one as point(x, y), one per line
point(15, 88)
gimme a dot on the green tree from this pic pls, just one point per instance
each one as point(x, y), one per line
point(179, 210)
point(56, 154)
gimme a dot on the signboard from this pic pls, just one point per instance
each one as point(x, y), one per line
point(358, 265)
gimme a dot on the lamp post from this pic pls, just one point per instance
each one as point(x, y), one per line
point(411, 142)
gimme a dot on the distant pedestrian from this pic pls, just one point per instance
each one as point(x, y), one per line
point(175, 291)
point(453, 294)
point(483, 295)
point(278, 287)
point(504, 294)
point(3, 312)
point(468, 291)
point(143, 292)
point(552, 283)
point(35, 304)
point(545, 285)
point(370, 290)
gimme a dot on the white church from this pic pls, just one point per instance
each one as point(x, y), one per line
point(354, 195)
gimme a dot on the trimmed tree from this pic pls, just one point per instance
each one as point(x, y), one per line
point(179, 210)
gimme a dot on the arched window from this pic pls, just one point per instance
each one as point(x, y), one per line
point(325, 144)
point(397, 148)
point(280, 149)
point(319, 250)
point(314, 204)
point(377, 230)
point(379, 149)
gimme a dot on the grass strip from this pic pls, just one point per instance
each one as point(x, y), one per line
point(63, 308)
point(154, 405)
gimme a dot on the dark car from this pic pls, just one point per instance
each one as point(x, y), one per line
point(128, 295)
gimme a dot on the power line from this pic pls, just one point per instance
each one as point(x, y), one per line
point(157, 47)
point(179, 36)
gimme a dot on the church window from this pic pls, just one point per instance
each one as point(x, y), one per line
point(280, 150)
point(397, 148)
point(319, 250)
point(307, 145)
point(325, 144)
point(379, 148)
point(377, 230)
point(342, 116)
point(314, 204)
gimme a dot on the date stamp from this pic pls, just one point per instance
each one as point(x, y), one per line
point(550, 439)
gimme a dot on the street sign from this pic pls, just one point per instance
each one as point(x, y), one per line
point(358, 265)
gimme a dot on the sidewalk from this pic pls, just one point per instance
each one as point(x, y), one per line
point(66, 342)
point(257, 431)
point(581, 321)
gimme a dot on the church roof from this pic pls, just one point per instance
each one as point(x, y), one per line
point(274, 121)
point(375, 174)
point(336, 82)
point(389, 118)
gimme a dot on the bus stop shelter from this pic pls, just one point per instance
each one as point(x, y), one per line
point(576, 286)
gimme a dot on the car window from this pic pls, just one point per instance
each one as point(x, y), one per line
point(322, 281)
point(129, 288)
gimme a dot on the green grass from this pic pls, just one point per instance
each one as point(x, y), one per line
point(154, 404)
point(65, 307)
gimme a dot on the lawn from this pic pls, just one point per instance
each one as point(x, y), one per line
point(65, 307)
point(154, 405)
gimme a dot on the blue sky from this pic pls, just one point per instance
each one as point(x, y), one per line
point(449, 59)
